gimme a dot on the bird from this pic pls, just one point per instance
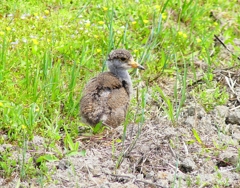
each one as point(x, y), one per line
point(106, 97)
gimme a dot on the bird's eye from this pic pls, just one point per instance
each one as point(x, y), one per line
point(123, 58)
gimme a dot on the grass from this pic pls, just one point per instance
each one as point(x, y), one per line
point(50, 49)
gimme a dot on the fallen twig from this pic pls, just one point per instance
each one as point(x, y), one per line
point(225, 46)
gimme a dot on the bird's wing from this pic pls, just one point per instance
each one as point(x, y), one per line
point(99, 95)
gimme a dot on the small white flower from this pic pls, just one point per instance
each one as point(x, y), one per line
point(33, 37)
point(23, 17)
point(14, 42)
point(24, 40)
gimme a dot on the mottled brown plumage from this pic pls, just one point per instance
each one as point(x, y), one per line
point(106, 97)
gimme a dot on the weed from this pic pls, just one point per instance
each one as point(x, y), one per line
point(7, 165)
point(211, 96)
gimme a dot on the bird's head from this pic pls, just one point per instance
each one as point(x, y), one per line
point(122, 59)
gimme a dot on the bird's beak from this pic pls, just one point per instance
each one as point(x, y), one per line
point(134, 64)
